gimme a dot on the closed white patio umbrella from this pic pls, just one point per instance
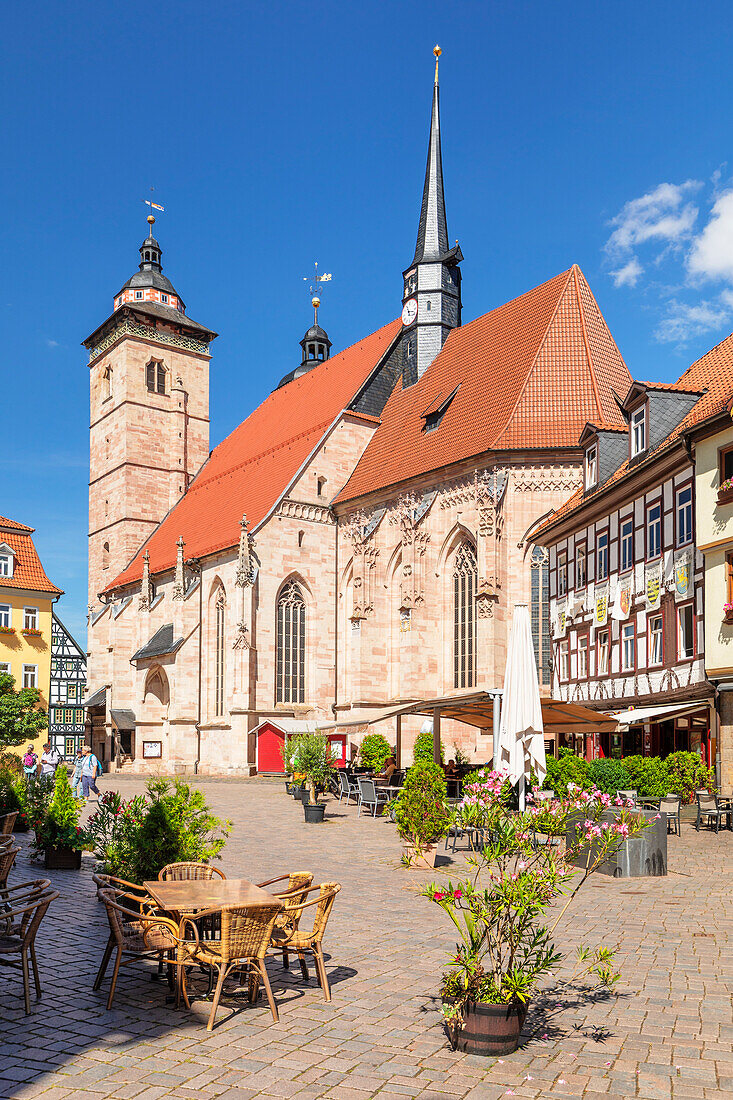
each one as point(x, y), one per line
point(521, 737)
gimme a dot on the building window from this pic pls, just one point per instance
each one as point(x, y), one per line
point(591, 467)
point(30, 618)
point(71, 696)
point(5, 615)
point(107, 384)
point(105, 555)
point(638, 431)
point(564, 656)
point(685, 632)
point(290, 670)
point(602, 653)
point(656, 640)
point(219, 669)
point(68, 717)
point(4, 668)
point(602, 556)
point(684, 516)
point(30, 676)
point(627, 545)
point(164, 299)
point(628, 647)
point(654, 531)
point(562, 574)
point(583, 657)
point(540, 613)
point(728, 578)
point(311, 351)
point(465, 577)
point(155, 377)
point(6, 565)
point(320, 486)
point(581, 572)
point(726, 464)
point(138, 294)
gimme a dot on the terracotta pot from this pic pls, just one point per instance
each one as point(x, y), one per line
point(62, 859)
point(426, 858)
point(490, 1029)
point(314, 812)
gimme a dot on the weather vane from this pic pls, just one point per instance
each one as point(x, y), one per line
point(315, 289)
point(153, 206)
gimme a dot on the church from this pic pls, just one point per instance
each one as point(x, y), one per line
point(359, 541)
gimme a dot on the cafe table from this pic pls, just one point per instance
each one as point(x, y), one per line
point(186, 897)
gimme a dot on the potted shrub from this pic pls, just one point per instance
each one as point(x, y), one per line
point(422, 750)
point(286, 752)
point(421, 814)
point(501, 914)
point(315, 762)
point(373, 751)
point(58, 834)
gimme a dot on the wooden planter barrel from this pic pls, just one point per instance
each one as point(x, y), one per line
point(62, 859)
point(490, 1030)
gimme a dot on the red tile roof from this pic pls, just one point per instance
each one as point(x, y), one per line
point(28, 573)
point(253, 466)
point(712, 373)
point(531, 374)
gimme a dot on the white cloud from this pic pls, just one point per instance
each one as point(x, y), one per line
point(628, 275)
point(711, 256)
point(52, 343)
point(685, 320)
point(660, 215)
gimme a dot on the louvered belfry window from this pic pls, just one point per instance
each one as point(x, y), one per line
point(465, 574)
point(219, 652)
point(290, 672)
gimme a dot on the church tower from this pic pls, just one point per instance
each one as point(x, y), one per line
point(149, 422)
point(431, 303)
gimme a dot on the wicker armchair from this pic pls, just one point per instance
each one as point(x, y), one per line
point(129, 891)
point(245, 936)
point(289, 935)
point(135, 934)
point(27, 903)
point(7, 821)
point(177, 872)
point(7, 859)
point(295, 893)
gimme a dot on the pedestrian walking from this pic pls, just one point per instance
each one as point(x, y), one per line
point(50, 760)
point(90, 769)
point(76, 784)
point(30, 763)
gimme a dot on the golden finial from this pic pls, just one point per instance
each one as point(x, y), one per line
point(437, 51)
point(151, 222)
point(316, 281)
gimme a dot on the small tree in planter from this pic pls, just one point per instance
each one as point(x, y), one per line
point(421, 813)
point(506, 945)
point(58, 834)
point(422, 752)
point(315, 761)
point(374, 750)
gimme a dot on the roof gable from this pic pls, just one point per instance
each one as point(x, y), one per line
point(530, 375)
point(28, 572)
point(250, 470)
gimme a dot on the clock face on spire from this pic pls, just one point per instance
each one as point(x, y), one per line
point(409, 312)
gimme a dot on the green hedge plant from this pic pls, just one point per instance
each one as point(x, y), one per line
point(609, 776)
point(567, 768)
point(422, 752)
point(374, 750)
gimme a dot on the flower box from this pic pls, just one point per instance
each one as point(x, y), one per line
point(728, 615)
point(725, 494)
point(32, 632)
point(7, 630)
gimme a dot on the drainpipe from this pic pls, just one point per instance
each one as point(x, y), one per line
point(195, 564)
point(336, 623)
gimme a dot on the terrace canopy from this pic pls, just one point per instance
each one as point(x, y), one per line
point(480, 709)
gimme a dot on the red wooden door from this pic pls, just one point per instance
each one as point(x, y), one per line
point(338, 745)
point(270, 741)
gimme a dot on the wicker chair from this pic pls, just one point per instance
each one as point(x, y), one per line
point(28, 904)
point(7, 821)
point(295, 892)
point(670, 807)
point(177, 872)
point(140, 936)
point(245, 936)
point(292, 937)
point(7, 859)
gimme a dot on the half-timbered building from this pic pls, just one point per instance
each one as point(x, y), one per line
point(66, 716)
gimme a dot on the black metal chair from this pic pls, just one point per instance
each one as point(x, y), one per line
point(709, 811)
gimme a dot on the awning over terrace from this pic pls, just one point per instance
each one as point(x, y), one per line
point(634, 715)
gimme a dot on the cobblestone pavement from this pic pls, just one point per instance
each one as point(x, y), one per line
point(667, 1032)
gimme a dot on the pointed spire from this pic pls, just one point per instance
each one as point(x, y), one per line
point(244, 564)
point(144, 604)
point(432, 233)
point(178, 582)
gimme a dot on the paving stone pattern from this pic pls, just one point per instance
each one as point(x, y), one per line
point(666, 1033)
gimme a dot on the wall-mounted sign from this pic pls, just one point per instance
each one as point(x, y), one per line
point(152, 749)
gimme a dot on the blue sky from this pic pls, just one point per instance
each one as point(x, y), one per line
point(281, 133)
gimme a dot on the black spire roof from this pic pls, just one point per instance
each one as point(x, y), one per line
point(432, 232)
point(151, 270)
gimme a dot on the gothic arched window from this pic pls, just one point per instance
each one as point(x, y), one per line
point(155, 377)
point(290, 669)
point(465, 575)
point(540, 614)
point(219, 668)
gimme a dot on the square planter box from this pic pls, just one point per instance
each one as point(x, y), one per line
point(644, 855)
point(725, 496)
point(62, 859)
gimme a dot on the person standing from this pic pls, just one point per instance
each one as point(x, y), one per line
point(90, 769)
point(30, 763)
point(50, 760)
point(76, 784)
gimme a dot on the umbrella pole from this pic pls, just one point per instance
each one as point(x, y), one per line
point(522, 793)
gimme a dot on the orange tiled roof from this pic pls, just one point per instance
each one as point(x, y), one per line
point(712, 373)
point(531, 374)
point(253, 466)
point(28, 573)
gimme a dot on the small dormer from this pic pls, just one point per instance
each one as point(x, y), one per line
point(653, 410)
point(604, 450)
point(7, 560)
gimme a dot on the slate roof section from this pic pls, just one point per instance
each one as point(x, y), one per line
point(28, 572)
point(123, 719)
point(151, 309)
point(98, 699)
point(160, 645)
point(250, 470)
point(712, 373)
point(530, 374)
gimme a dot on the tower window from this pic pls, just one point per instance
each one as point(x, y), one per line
point(107, 384)
point(105, 555)
point(311, 351)
point(138, 294)
point(321, 351)
point(155, 377)
point(320, 486)
point(164, 299)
